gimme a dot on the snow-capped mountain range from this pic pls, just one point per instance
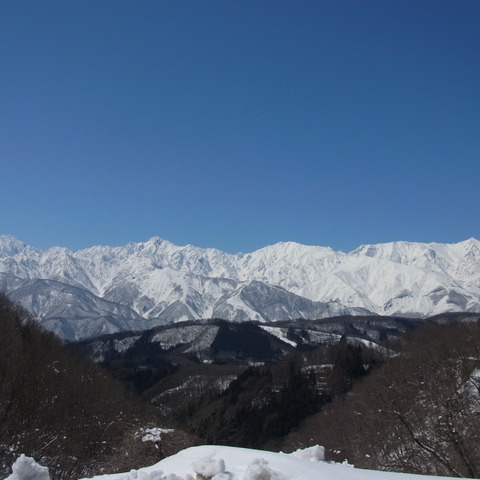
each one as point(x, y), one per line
point(106, 289)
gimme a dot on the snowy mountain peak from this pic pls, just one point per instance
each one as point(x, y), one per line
point(158, 242)
point(106, 289)
point(294, 247)
point(393, 251)
point(287, 254)
point(471, 246)
point(10, 246)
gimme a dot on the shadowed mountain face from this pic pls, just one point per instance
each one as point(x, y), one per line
point(246, 343)
point(142, 285)
point(249, 343)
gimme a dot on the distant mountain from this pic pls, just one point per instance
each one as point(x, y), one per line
point(106, 289)
point(245, 343)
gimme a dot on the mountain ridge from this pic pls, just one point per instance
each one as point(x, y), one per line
point(157, 282)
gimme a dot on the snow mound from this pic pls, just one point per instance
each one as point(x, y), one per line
point(231, 463)
point(249, 464)
point(25, 468)
point(209, 467)
point(259, 470)
point(314, 454)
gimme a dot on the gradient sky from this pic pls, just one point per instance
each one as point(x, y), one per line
point(239, 124)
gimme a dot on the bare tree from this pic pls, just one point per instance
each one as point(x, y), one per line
point(417, 413)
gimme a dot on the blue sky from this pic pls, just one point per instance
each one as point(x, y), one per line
point(238, 124)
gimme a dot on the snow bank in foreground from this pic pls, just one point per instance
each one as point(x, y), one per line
point(25, 468)
point(230, 463)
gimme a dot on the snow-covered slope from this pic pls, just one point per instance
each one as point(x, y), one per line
point(247, 464)
point(231, 463)
point(141, 285)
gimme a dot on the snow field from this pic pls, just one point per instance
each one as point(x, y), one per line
point(231, 463)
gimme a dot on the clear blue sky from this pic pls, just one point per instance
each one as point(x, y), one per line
point(238, 124)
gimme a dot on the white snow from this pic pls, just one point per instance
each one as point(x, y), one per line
point(314, 454)
point(280, 333)
point(25, 468)
point(153, 434)
point(169, 338)
point(260, 470)
point(209, 466)
point(231, 463)
point(153, 282)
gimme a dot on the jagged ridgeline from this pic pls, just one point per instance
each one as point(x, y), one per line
point(141, 285)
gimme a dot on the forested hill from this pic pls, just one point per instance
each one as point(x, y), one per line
point(62, 409)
